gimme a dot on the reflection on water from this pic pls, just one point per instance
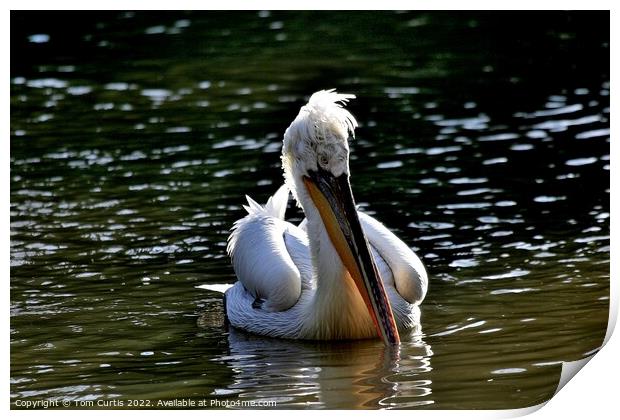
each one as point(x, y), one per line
point(134, 137)
point(323, 374)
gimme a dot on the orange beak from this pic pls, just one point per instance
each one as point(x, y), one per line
point(334, 199)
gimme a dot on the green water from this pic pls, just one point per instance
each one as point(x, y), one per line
point(483, 143)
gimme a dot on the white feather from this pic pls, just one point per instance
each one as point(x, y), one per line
point(219, 288)
point(276, 205)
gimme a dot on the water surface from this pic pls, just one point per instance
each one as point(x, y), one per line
point(483, 143)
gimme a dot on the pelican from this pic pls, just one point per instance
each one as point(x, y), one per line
point(340, 274)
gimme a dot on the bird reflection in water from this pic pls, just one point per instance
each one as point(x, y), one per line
point(349, 374)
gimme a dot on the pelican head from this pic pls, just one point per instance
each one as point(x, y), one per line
point(317, 138)
point(315, 159)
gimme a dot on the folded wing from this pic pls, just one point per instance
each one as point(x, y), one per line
point(271, 257)
point(408, 272)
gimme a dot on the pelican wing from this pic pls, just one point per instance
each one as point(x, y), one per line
point(408, 272)
point(271, 257)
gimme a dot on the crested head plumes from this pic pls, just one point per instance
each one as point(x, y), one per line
point(325, 106)
point(318, 137)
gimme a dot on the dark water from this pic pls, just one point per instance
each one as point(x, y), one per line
point(483, 142)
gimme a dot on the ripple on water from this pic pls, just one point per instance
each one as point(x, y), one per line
point(517, 272)
point(499, 137)
point(520, 147)
point(455, 329)
point(559, 110)
point(495, 161)
point(460, 206)
point(501, 233)
point(603, 132)
point(536, 134)
point(474, 123)
point(591, 239)
point(431, 225)
point(513, 291)
point(506, 203)
point(467, 180)
point(156, 95)
point(119, 86)
point(549, 198)
point(433, 151)
point(179, 129)
point(79, 90)
point(490, 330)
point(39, 38)
point(390, 165)
point(400, 92)
point(563, 125)
point(508, 371)
point(476, 191)
point(49, 82)
point(464, 263)
point(581, 161)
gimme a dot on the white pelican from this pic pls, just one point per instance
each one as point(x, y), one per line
point(340, 274)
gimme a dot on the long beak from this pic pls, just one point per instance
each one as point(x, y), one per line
point(333, 198)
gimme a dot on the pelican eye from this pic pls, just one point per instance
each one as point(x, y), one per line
point(323, 160)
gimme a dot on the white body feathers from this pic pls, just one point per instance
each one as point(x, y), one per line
point(272, 260)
